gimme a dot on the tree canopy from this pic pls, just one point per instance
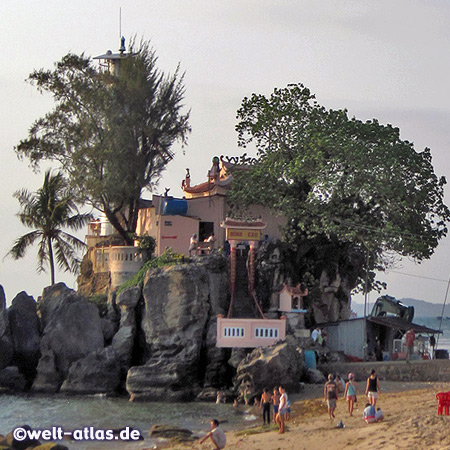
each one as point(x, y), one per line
point(111, 134)
point(49, 210)
point(348, 189)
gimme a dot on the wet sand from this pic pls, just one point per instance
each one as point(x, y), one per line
point(411, 422)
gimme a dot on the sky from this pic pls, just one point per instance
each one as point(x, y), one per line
point(377, 58)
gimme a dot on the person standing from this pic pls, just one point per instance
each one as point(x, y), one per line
point(410, 338)
point(265, 405)
point(282, 409)
point(330, 394)
point(193, 244)
point(216, 435)
point(275, 402)
point(372, 388)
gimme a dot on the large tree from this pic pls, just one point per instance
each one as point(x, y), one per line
point(48, 211)
point(111, 134)
point(353, 193)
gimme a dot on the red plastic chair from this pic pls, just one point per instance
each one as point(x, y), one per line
point(444, 402)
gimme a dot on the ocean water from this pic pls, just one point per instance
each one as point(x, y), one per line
point(71, 413)
point(443, 342)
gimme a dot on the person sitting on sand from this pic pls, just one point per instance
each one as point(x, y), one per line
point(350, 393)
point(275, 401)
point(265, 405)
point(379, 415)
point(330, 395)
point(282, 407)
point(369, 413)
point(373, 388)
point(216, 435)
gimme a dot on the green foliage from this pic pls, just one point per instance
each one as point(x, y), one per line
point(112, 135)
point(101, 302)
point(49, 210)
point(146, 245)
point(167, 258)
point(347, 188)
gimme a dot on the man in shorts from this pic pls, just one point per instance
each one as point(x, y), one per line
point(216, 435)
point(330, 395)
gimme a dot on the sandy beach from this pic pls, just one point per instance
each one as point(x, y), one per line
point(411, 422)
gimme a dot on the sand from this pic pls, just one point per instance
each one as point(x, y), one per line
point(411, 422)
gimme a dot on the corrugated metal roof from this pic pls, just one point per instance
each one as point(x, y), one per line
point(401, 324)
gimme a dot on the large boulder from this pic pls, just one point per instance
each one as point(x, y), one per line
point(97, 373)
point(6, 343)
point(178, 301)
point(72, 330)
point(266, 367)
point(11, 379)
point(25, 332)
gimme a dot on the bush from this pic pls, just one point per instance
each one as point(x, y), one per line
point(168, 258)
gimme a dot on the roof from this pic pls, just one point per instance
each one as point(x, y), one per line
point(401, 324)
point(294, 290)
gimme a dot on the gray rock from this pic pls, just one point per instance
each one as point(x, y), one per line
point(11, 379)
point(315, 376)
point(25, 332)
point(72, 326)
point(48, 379)
point(279, 364)
point(72, 330)
point(6, 343)
point(97, 373)
point(174, 322)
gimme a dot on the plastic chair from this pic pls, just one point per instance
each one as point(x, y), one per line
point(444, 403)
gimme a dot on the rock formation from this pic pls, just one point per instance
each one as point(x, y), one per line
point(180, 305)
point(266, 367)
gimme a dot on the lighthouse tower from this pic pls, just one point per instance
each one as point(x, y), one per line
point(110, 62)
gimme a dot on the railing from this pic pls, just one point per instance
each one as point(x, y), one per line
point(249, 333)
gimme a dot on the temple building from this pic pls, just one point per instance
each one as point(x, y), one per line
point(202, 210)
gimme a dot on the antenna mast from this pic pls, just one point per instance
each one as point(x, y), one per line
point(120, 22)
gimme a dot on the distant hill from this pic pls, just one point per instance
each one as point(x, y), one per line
point(421, 308)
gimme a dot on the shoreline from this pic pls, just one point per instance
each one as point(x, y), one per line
point(411, 421)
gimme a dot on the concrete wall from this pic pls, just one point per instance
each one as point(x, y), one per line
point(422, 370)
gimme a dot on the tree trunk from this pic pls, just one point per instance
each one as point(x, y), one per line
point(51, 260)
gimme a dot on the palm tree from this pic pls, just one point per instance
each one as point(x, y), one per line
point(47, 211)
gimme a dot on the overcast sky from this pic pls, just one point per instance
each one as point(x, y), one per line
point(379, 59)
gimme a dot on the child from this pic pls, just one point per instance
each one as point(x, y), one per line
point(369, 413)
point(379, 415)
point(330, 394)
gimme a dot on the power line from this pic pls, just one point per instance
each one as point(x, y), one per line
point(418, 276)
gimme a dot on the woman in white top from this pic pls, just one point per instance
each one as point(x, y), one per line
point(282, 407)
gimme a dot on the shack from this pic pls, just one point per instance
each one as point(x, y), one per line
point(379, 336)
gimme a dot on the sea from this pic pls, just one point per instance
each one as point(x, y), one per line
point(436, 323)
point(106, 413)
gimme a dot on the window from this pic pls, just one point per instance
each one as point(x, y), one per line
point(167, 223)
point(266, 333)
point(233, 332)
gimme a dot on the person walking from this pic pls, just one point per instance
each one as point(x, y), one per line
point(350, 392)
point(330, 394)
point(372, 388)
